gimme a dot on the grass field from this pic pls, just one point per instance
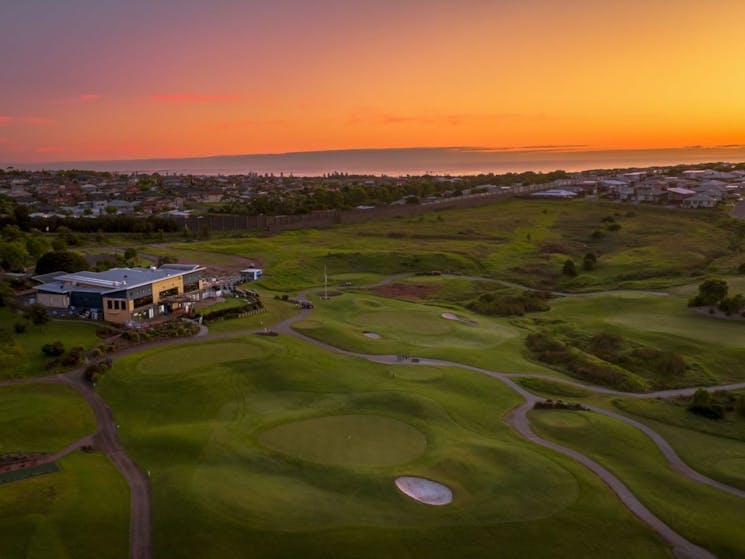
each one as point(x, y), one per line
point(522, 240)
point(219, 490)
point(42, 418)
point(81, 512)
point(700, 513)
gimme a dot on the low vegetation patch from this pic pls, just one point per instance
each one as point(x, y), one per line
point(611, 360)
point(511, 304)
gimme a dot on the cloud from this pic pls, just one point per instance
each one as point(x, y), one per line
point(186, 98)
point(49, 149)
point(36, 120)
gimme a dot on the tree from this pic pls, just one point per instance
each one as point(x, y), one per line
point(130, 254)
point(569, 268)
point(13, 256)
point(589, 261)
point(37, 314)
point(710, 292)
point(61, 261)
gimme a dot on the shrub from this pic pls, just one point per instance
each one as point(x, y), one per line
point(20, 327)
point(54, 349)
point(702, 404)
point(569, 268)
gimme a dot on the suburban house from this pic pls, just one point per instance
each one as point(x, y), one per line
point(699, 201)
point(124, 295)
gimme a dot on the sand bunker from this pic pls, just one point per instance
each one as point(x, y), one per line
point(424, 490)
point(453, 316)
point(373, 335)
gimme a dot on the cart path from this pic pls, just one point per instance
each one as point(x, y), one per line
point(107, 441)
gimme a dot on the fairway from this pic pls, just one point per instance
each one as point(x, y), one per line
point(293, 450)
point(356, 440)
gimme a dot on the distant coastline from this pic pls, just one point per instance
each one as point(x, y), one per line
point(409, 161)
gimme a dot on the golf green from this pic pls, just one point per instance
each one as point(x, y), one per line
point(356, 440)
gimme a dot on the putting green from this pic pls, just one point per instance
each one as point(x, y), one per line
point(348, 440)
point(190, 358)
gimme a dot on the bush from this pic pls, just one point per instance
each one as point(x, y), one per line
point(20, 327)
point(702, 404)
point(495, 304)
point(54, 349)
point(569, 268)
point(613, 226)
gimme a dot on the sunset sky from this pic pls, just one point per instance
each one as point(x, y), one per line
point(104, 79)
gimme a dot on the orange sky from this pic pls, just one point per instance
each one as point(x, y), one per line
point(187, 78)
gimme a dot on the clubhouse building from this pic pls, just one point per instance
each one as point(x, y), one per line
point(124, 295)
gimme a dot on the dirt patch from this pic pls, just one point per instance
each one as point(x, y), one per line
point(406, 291)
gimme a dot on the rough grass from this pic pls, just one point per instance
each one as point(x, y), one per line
point(712, 346)
point(217, 491)
point(28, 359)
point(552, 388)
point(42, 418)
point(700, 513)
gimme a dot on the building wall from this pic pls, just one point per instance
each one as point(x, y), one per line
point(165, 284)
point(120, 311)
point(54, 300)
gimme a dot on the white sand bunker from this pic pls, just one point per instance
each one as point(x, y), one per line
point(373, 335)
point(453, 316)
point(424, 490)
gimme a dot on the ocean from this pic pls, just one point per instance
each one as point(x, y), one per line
point(410, 161)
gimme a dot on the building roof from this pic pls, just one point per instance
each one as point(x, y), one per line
point(114, 279)
point(681, 191)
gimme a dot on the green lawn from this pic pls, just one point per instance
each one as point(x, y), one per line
point(81, 512)
point(700, 513)
point(42, 418)
point(201, 430)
